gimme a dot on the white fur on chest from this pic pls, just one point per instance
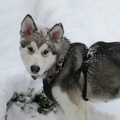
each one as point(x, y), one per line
point(61, 97)
point(72, 111)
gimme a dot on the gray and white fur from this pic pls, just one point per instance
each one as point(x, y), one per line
point(43, 48)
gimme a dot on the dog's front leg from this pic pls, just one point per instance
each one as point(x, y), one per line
point(72, 111)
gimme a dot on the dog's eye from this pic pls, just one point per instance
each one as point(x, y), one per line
point(30, 49)
point(45, 52)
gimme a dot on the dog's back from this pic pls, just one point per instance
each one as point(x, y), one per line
point(104, 71)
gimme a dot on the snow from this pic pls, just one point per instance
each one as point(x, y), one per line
point(86, 21)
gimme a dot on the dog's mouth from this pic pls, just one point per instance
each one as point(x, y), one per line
point(34, 77)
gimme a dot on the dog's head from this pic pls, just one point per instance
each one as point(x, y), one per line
point(39, 47)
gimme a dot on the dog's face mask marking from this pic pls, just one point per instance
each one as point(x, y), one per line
point(39, 48)
point(37, 60)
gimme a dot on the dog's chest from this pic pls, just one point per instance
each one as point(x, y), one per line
point(58, 94)
point(62, 98)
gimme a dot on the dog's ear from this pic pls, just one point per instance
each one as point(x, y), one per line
point(56, 33)
point(27, 26)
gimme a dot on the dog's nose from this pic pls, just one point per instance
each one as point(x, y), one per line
point(35, 69)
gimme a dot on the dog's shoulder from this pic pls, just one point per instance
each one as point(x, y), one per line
point(78, 48)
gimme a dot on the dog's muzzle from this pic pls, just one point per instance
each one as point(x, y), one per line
point(35, 69)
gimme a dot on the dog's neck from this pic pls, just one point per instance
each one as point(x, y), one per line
point(63, 48)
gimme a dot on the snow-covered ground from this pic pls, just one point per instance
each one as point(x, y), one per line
point(86, 21)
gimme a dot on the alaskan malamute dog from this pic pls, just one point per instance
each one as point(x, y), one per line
point(72, 74)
